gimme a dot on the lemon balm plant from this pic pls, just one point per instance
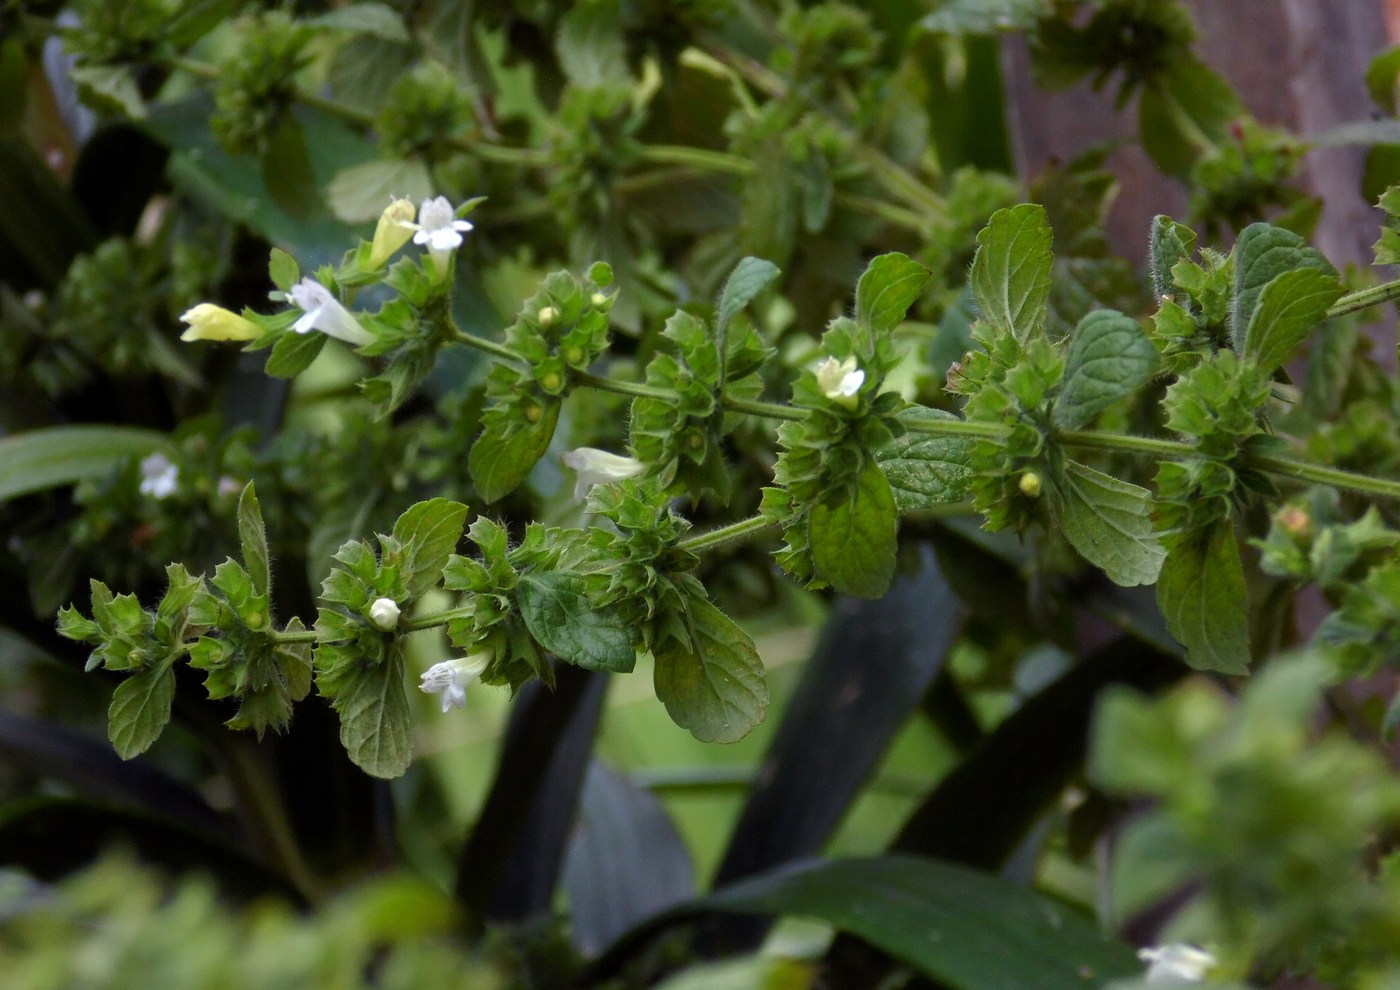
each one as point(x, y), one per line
point(766, 329)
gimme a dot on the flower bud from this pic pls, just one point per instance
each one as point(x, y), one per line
point(1030, 484)
point(598, 299)
point(390, 233)
point(546, 315)
point(210, 322)
point(384, 613)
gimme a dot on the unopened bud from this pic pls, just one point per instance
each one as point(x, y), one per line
point(1030, 484)
point(384, 613)
point(1295, 521)
point(546, 315)
point(598, 299)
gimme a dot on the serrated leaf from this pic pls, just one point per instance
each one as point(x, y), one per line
point(1109, 358)
point(563, 620)
point(359, 193)
point(374, 719)
point(887, 288)
point(1202, 594)
point(140, 710)
point(1183, 110)
point(253, 538)
point(749, 278)
point(282, 268)
point(62, 455)
point(852, 535)
point(715, 686)
point(1170, 243)
point(428, 532)
point(1011, 272)
point(925, 470)
point(500, 461)
point(1262, 253)
point(1287, 309)
point(1109, 522)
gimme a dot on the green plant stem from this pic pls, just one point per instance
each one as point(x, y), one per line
point(733, 533)
point(1319, 474)
point(700, 158)
point(1364, 298)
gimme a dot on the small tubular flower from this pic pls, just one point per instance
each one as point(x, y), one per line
point(158, 476)
point(451, 678)
point(1176, 963)
point(391, 233)
point(209, 322)
point(598, 467)
point(438, 228)
point(840, 381)
point(322, 311)
point(384, 613)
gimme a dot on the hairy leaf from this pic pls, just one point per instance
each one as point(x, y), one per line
point(252, 536)
point(1170, 243)
point(374, 719)
point(1183, 110)
point(1202, 595)
point(562, 619)
point(501, 459)
point(140, 710)
point(293, 353)
point(749, 278)
point(715, 687)
point(1262, 253)
point(852, 535)
point(1109, 359)
point(887, 288)
point(924, 470)
point(1011, 272)
point(1109, 522)
point(428, 533)
point(1287, 309)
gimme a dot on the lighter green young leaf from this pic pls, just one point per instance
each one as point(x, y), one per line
point(852, 535)
point(374, 719)
point(428, 533)
point(283, 270)
point(1202, 594)
point(715, 687)
point(501, 460)
point(888, 287)
point(562, 619)
point(1170, 243)
point(749, 278)
point(1262, 253)
point(140, 710)
point(252, 536)
point(1109, 522)
point(1289, 307)
point(1110, 358)
point(1011, 272)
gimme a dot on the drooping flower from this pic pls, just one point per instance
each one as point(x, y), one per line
point(209, 322)
point(391, 232)
point(598, 467)
point(384, 613)
point(451, 677)
point(158, 476)
point(1176, 963)
point(840, 381)
point(322, 311)
point(438, 228)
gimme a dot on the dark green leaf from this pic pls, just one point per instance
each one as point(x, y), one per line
point(714, 686)
point(140, 710)
point(1011, 272)
point(428, 533)
point(1183, 112)
point(375, 19)
point(1290, 306)
point(500, 461)
point(565, 622)
point(1109, 359)
point(984, 16)
point(749, 278)
point(888, 287)
point(42, 226)
point(1109, 522)
point(374, 719)
point(1262, 253)
point(852, 535)
point(287, 171)
point(293, 353)
point(253, 538)
point(1382, 78)
point(924, 470)
point(590, 45)
point(1202, 594)
point(62, 455)
point(1170, 243)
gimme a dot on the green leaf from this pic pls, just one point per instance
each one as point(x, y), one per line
point(111, 85)
point(1382, 79)
point(1184, 111)
point(501, 459)
point(1011, 272)
point(966, 929)
point(1288, 308)
point(375, 19)
point(749, 278)
point(358, 194)
point(984, 16)
point(714, 686)
point(63, 455)
point(1262, 253)
point(253, 538)
point(1109, 522)
point(287, 170)
point(282, 268)
point(293, 353)
point(140, 709)
point(887, 288)
point(428, 533)
point(563, 620)
point(924, 470)
point(1109, 359)
point(590, 45)
point(1170, 243)
point(852, 535)
point(374, 719)
point(1201, 592)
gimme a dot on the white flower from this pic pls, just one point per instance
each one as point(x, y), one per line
point(158, 476)
point(598, 467)
point(322, 311)
point(439, 228)
point(384, 613)
point(451, 678)
point(840, 381)
point(1176, 963)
